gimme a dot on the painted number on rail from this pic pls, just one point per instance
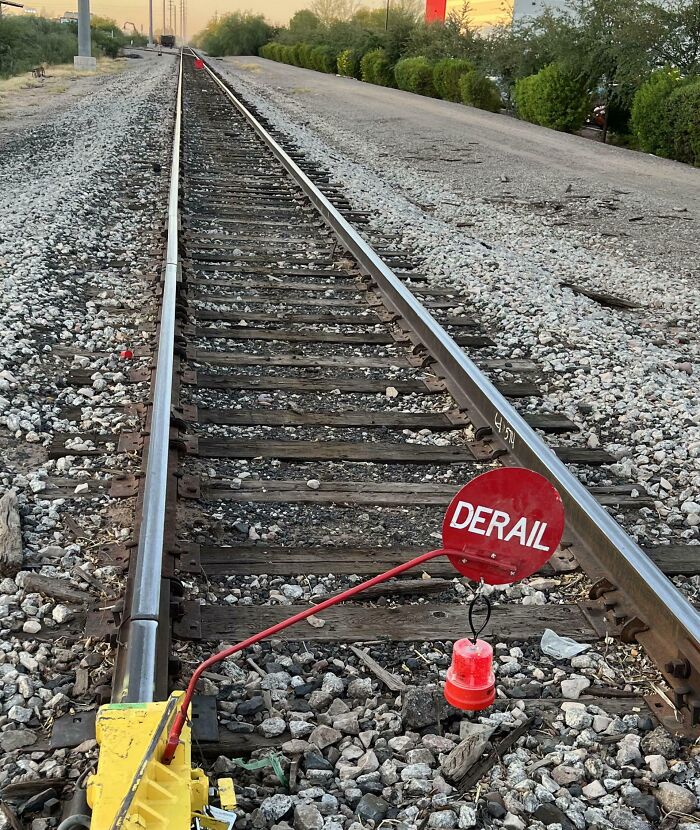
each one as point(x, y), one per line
point(504, 429)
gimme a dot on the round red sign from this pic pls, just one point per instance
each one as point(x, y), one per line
point(503, 526)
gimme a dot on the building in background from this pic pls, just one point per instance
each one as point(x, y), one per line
point(485, 13)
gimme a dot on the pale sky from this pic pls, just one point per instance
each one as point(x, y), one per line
point(199, 12)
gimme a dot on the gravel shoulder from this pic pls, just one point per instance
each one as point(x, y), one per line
point(27, 102)
point(82, 195)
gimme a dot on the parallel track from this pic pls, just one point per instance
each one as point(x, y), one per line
point(302, 352)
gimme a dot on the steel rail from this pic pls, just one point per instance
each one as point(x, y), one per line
point(137, 677)
point(669, 624)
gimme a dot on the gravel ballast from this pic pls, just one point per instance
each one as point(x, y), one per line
point(81, 210)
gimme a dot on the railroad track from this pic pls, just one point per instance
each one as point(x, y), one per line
point(317, 402)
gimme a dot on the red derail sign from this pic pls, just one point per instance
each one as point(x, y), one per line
point(507, 523)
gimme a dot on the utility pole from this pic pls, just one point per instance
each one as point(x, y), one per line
point(150, 22)
point(84, 59)
point(163, 29)
point(386, 19)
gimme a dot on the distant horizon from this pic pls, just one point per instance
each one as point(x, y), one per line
point(277, 12)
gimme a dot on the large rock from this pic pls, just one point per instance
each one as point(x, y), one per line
point(437, 744)
point(16, 739)
point(307, 817)
point(347, 724)
point(276, 807)
point(467, 752)
point(418, 707)
point(622, 819)
point(645, 803)
point(248, 708)
point(467, 816)
point(628, 751)
point(565, 774)
point(551, 814)
point(371, 808)
point(360, 688)
point(415, 771)
point(324, 736)
point(276, 680)
point(10, 535)
point(573, 686)
point(442, 819)
point(659, 742)
point(332, 684)
point(272, 727)
point(675, 799)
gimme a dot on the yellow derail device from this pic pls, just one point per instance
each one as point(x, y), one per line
point(133, 790)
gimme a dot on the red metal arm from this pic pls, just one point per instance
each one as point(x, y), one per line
point(181, 717)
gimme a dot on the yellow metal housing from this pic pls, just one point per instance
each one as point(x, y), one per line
point(131, 789)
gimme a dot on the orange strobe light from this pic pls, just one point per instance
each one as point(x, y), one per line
point(471, 683)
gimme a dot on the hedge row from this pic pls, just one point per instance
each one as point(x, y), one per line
point(320, 58)
point(450, 78)
point(666, 116)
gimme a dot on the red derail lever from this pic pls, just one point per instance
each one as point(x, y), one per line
point(500, 527)
point(181, 717)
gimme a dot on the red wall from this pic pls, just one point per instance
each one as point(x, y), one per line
point(435, 10)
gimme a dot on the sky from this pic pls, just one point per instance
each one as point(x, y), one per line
point(199, 12)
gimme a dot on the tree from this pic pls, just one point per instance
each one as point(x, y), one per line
point(239, 33)
point(608, 49)
point(521, 50)
point(304, 27)
point(28, 41)
point(329, 10)
point(478, 91)
point(444, 40)
point(674, 31)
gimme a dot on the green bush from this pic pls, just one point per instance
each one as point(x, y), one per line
point(305, 55)
point(684, 114)
point(478, 91)
point(376, 69)
point(324, 60)
point(446, 76)
point(415, 75)
point(26, 42)
point(295, 55)
point(239, 33)
point(651, 123)
point(103, 43)
point(552, 98)
point(349, 63)
point(287, 54)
